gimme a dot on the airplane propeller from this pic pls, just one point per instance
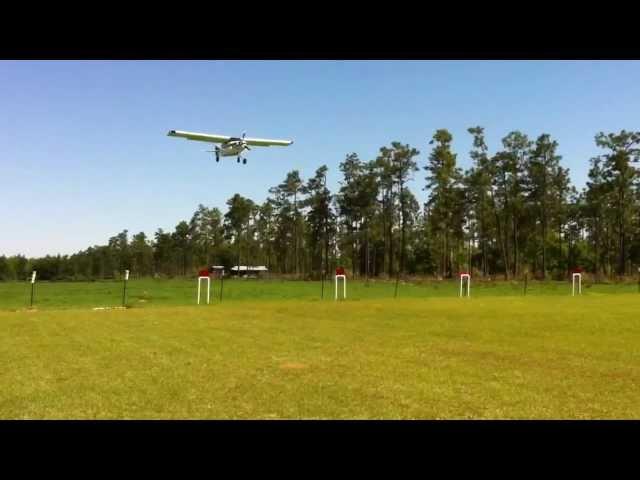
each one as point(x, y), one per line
point(246, 147)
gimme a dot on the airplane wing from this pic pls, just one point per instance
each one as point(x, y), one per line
point(201, 137)
point(265, 142)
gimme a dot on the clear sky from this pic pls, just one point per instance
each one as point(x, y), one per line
point(84, 152)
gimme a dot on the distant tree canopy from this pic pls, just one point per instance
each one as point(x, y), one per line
point(513, 211)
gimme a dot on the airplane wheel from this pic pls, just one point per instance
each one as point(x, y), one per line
point(244, 161)
point(238, 159)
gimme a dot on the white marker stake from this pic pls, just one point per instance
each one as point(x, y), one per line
point(33, 281)
point(344, 286)
point(573, 284)
point(124, 288)
point(208, 288)
point(468, 277)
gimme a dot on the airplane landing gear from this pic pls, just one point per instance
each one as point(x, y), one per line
point(244, 161)
point(238, 159)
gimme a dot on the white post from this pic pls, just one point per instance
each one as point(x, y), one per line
point(33, 284)
point(573, 284)
point(468, 277)
point(208, 288)
point(344, 286)
point(124, 289)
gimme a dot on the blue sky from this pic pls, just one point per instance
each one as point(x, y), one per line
point(84, 152)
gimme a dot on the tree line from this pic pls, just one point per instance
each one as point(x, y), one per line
point(514, 212)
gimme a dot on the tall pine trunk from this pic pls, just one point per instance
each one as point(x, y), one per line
point(560, 241)
point(544, 243)
point(621, 234)
point(505, 256)
point(483, 239)
point(402, 241)
point(295, 230)
point(390, 228)
point(366, 241)
point(384, 235)
point(515, 246)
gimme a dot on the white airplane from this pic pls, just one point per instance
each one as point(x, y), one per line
point(230, 146)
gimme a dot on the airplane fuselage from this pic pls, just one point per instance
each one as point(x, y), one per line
point(231, 148)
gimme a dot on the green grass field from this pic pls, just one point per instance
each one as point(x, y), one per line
point(273, 350)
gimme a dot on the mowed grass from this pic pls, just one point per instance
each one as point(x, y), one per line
point(181, 292)
point(432, 357)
